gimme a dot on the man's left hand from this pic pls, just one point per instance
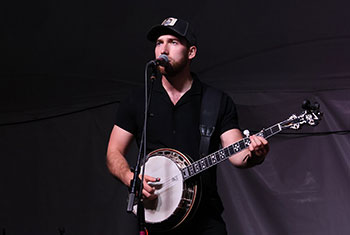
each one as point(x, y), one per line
point(258, 146)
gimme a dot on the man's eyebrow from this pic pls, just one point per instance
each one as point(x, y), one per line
point(169, 39)
point(173, 38)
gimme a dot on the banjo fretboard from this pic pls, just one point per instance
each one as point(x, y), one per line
point(224, 153)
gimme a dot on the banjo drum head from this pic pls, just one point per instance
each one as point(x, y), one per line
point(169, 189)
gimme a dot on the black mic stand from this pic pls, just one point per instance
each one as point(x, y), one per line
point(136, 185)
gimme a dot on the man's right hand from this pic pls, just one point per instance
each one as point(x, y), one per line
point(148, 191)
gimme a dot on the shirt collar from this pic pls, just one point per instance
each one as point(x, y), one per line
point(195, 89)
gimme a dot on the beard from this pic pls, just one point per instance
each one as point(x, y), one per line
point(173, 68)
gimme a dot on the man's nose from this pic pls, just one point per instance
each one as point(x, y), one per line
point(164, 49)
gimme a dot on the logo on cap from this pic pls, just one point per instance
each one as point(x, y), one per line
point(169, 21)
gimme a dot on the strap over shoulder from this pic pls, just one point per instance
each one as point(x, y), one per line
point(210, 105)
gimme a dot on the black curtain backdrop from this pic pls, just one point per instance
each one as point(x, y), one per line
point(65, 66)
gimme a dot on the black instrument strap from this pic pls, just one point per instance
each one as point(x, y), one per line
point(210, 105)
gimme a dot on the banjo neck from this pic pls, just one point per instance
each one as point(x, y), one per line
point(311, 116)
point(224, 153)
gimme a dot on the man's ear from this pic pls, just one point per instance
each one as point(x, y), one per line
point(192, 52)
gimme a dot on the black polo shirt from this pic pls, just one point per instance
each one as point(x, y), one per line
point(173, 126)
point(176, 126)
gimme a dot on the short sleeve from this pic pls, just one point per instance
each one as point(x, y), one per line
point(126, 115)
point(228, 118)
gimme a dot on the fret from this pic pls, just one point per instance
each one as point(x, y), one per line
point(185, 172)
point(242, 144)
point(196, 167)
point(203, 164)
point(221, 154)
point(261, 133)
point(217, 156)
point(210, 163)
point(267, 132)
point(227, 153)
point(276, 128)
point(213, 158)
point(246, 142)
point(236, 147)
point(206, 159)
point(231, 150)
point(190, 168)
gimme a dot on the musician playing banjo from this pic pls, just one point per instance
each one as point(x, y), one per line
point(173, 122)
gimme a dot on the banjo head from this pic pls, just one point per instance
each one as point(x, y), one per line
point(175, 197)
point(168, 189)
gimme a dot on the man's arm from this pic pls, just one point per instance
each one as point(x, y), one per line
point(119, 142)
point(253, 155)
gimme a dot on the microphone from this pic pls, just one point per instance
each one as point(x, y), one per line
point(162, 60)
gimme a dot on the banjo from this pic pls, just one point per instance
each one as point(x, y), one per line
point(177, 195)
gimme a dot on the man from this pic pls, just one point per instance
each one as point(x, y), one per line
point(173, 122)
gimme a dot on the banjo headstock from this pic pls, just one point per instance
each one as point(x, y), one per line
point(310, 116)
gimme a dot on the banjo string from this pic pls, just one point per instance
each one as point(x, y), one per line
point(167, 183)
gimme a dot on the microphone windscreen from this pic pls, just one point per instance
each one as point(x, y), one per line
point(164, 58)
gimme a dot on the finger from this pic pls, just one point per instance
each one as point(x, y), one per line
point(253, 143)
point(264, 144)
point(258, 140)
point(149, 195)
point(150, 178)
point(146, 194)
point(251, 148)
point(148, 188)
point(263, 140)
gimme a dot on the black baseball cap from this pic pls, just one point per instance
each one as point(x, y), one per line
point(173, 26)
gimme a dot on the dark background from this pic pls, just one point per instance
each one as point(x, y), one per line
point(65, 66)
